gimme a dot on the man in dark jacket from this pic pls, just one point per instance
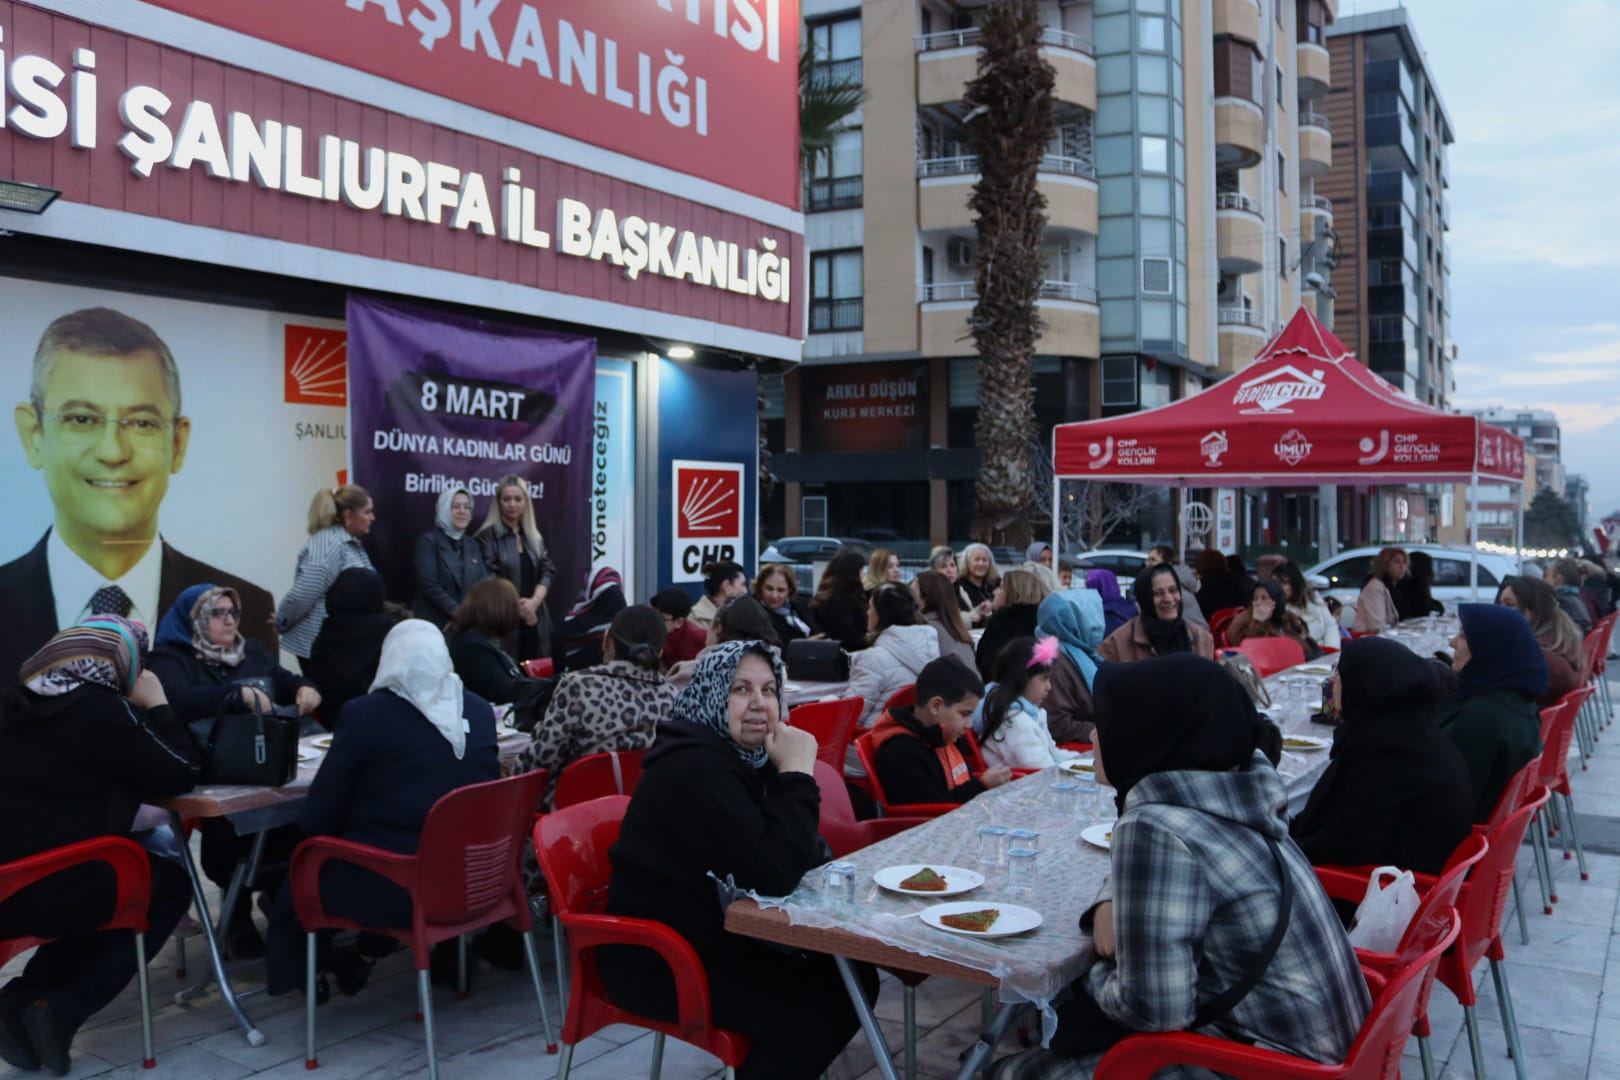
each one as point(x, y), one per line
point(915, 748)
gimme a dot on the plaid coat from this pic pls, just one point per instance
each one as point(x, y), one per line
point(1195, 895)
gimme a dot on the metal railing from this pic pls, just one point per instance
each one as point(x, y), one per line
point(941, 291)
point(830, 315)
point(838, 193)
point(1236, 316)
point(836, 72)
point(1235, 200)
point(968, 165)
point(961, 39)
point(1322, 202)
point(1312, 118)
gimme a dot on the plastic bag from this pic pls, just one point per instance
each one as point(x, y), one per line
point(1385, 911)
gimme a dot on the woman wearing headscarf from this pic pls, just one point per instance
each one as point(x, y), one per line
point(513, 549)
point(1561, 643)
point(1160, 629)
point(1117, 611)
point(343, 661)
point(578, 643)
point(1268, 615)
point(729, 792)
point(1204, 883)
point(209, 670)
point(1397, 791)
point(1492, 717)
point(417, 736)
point(448, 558)
point(1218, 587)
point(1076, 619)
point(86, 737)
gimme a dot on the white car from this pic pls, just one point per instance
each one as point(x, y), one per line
point(803, 552)
point(1348, 571)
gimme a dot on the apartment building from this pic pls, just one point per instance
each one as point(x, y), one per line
point(1388, 187)
point(1180, 180)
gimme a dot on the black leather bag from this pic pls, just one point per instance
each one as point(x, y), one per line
point(817, 661)
point(253, 750)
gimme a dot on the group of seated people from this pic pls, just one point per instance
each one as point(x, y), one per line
point(96, 727)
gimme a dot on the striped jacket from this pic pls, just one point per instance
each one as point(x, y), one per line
point(327, 554)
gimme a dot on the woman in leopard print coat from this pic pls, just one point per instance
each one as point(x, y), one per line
point(616, 705)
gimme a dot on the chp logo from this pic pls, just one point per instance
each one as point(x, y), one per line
point(1271, 393)
point(1101, 453)
point(708, 515)
point(1293, 447)
point(316, 366)
point(1212, 446)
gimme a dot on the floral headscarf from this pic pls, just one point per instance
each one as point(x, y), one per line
point(187, 624)
point(104, 650)
point(706, 701)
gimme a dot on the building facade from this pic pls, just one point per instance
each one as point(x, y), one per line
point(1180, 181)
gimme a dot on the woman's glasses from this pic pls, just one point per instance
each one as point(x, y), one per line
point(225, 614)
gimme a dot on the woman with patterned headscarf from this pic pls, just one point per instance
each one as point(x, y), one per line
point(209, 669)
point(729, 791)
point(86, 737)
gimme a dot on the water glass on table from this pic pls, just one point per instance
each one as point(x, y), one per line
point(838, 884)
point(1021, 871)
point(1064, 799)
point(991, 840)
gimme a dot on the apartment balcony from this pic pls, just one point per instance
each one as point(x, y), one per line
point(944, 186)
point(949, 60)
point(1068, 308)
point(1240, 133)
point(1313, 209)
point(1315, 144)
point(1315, 70)
point(1240, 233)
point(1238, 18)
point(1240, 336)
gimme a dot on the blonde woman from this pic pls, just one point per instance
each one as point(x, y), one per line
point(882, 569)
point(338, 519)
point(976, 580)
point(513, 549)
point(1017, 602)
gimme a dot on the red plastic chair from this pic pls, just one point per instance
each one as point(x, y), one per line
point(543, 668)
point(971, 751)
point(572, 846)
point(901, 698)
point(613, 772)
point(1482, 903)
point(132, 876)
point(1557, 735)
point(464, 876)
point(832, 723)
point(1219, 621)
point(1272, 654)
point(868, 759)
point(1375, 1055)
point(1350, 884)
point(839, 827)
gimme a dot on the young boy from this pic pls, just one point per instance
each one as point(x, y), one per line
point(915, 748)
point(683, 638)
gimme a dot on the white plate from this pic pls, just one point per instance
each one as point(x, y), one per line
point(1084, 765)
point(322, 743)
point(791, 688)
point(1014, 919)
point(306, 754)
point(1099, 835)
point(1305, 742)
point(1314, 669)
point(957, 879)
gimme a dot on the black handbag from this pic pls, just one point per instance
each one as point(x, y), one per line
point(253, 750)
point(817, 661)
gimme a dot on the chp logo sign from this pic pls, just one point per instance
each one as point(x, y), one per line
point(1212, 446)
point(315, 366)
point(708, 515)
point(1270, 394)
point(1293, 447)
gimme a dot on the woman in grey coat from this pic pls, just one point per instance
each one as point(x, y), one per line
point(449, 561)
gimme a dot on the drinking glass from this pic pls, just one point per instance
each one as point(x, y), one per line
point(1089, 794)
point(991, 838)
point(838, 884)
point(1065, 799)
point(1028, 839)
point(1021, 872)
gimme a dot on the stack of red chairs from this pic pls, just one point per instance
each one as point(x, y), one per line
point(1558, 725)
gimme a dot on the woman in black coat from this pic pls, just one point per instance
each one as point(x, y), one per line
point(1017, 607)
point(839, 607)
point(210, 670)
point(777, 588)
point(1398, 790)
point(731, 790)
point(418, 736)
point(343, 660)
point(449, 559)
point(84, 740)
point(485, 617)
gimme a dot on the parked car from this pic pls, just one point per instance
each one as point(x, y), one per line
point(1343, 575)
point(1124, 564)
point(803, 552)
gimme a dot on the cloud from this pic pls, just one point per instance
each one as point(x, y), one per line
point(1607, 352)
point(1554, 377)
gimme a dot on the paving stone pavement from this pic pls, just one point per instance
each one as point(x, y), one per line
point(1565, 986)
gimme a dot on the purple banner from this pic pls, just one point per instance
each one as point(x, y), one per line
point(437, 400)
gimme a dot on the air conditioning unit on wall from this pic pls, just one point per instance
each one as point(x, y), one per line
point(959, 252)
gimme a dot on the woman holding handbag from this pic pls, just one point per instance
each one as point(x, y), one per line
point(209, 670)
point(1211, 920)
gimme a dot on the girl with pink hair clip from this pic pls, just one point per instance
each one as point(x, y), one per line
point(1015, 730)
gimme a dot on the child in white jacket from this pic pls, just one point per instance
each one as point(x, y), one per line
point(1015, 731)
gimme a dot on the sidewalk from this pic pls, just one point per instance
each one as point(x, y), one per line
point(1565, 985)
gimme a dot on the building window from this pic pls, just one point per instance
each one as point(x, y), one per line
point(1235, 65)
point(835, 291)
point(1155, 154)
point(1309, 18)
point(837, 46)
point(835, 182)
point(1151, 33)
point(1156, 276)
point(1282, 256)
point(1119, 386)
point(1281, 100)
point(1282, 172)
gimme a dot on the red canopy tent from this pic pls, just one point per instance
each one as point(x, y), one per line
point(1305, 412)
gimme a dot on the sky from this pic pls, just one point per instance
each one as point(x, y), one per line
point(1533, 91)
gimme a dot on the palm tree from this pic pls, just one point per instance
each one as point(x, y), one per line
point(1009, 123)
